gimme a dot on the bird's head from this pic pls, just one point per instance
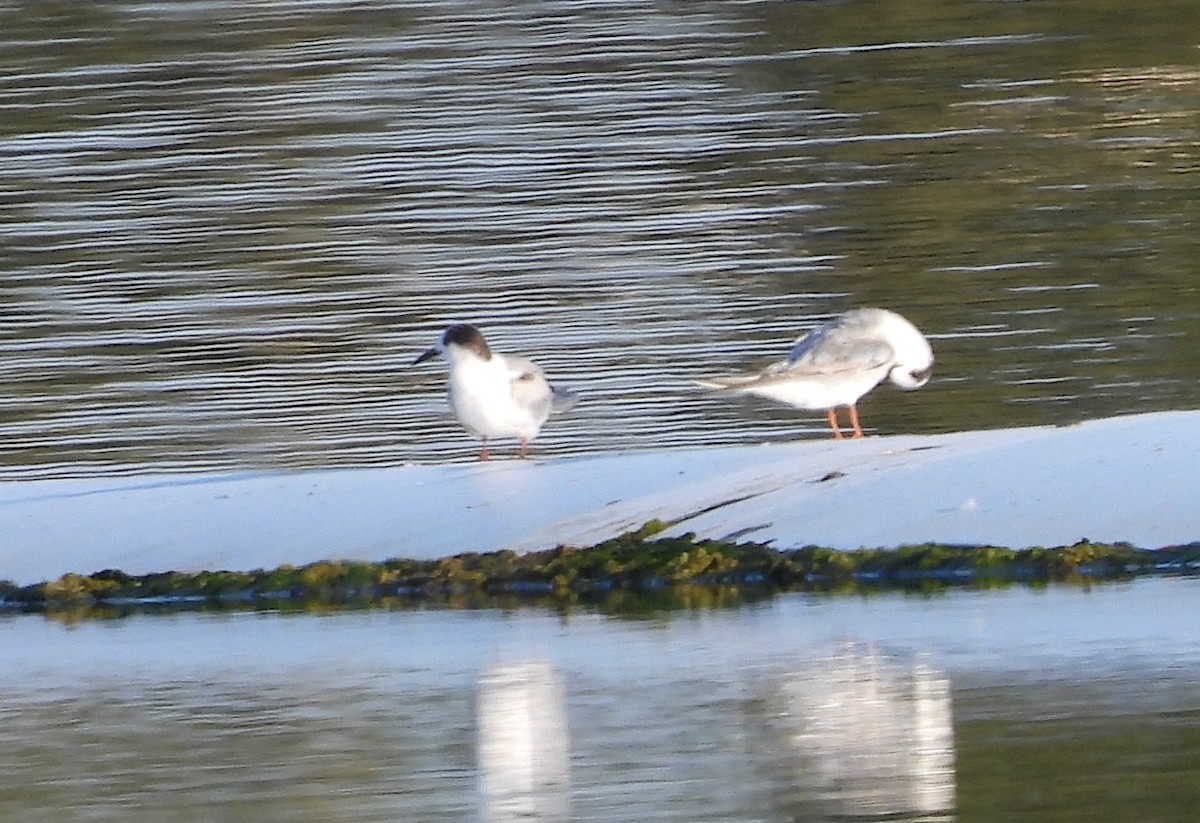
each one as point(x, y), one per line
point(914, 356)
point(909, 378)
point(459, 340)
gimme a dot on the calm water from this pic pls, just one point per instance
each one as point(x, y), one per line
point(1054, 705)
point(228, 227)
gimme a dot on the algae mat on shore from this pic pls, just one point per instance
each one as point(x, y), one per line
point(635, 570)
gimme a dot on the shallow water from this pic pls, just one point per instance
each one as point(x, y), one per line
point(1064, 704)
point(228, 228)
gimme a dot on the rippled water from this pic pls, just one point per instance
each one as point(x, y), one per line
point(1054, 705)
point(228, 227)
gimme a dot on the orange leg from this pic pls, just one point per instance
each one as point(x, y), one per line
point(858, 432)
point(483, 452)
point(524, 448)
point(831, 414)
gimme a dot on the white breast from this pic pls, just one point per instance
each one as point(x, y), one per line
point(481, 397)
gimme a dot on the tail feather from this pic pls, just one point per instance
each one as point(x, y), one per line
point(562, 400)
point(729, 383)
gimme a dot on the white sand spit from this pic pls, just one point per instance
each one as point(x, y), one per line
point(1129, 479)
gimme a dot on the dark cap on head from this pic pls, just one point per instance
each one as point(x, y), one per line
point(467, 337)
point(464, 336)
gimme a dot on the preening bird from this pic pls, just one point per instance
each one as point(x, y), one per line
point(837, 363)
point(492, 394)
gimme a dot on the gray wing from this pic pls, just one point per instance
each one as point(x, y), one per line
point(835, 349)
point(531, 390)
point(826, 351)
point(529, 387)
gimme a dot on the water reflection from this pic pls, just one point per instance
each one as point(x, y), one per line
point(856, 735)
point(522, 744)
point(227, 226)
point(849, 735)
point(1052, 705)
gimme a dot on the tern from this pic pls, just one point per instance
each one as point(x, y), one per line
point(495, 395)
point(837, 363)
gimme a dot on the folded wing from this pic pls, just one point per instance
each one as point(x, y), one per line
point(531, 390)
point(834, 350)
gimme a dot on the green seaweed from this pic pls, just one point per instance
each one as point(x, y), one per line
point(639, 570)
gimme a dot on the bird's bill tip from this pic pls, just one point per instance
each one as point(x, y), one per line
point(428, 354)
point(909, 379)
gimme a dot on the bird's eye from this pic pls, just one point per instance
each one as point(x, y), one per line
point(921, 375)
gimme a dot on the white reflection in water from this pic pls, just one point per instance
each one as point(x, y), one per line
point(728, 715)
point(523, 746)
point(850, 734)
point(858, 734)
